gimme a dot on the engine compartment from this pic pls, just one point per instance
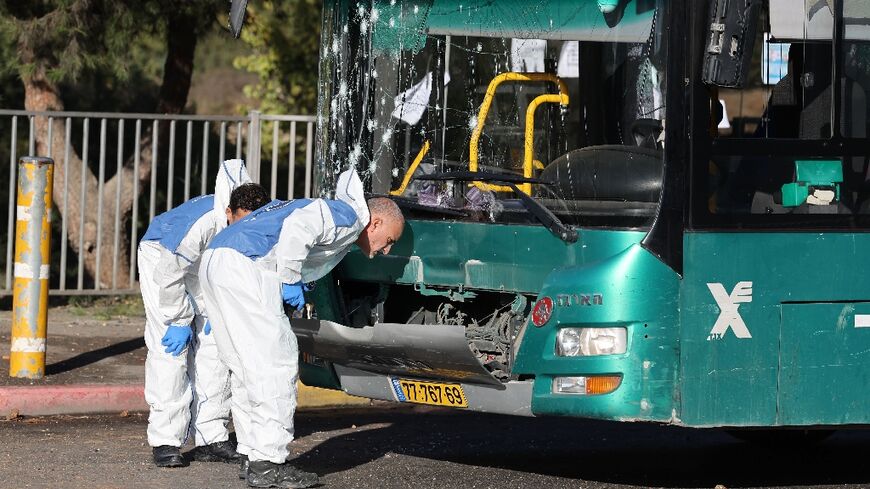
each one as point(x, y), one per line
point(492, 321)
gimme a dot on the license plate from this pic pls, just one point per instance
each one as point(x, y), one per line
point(432, 393)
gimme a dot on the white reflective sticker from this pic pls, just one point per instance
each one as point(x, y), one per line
point(22, 213)
point(28, 345)
point(23, 270)
point(862, 320)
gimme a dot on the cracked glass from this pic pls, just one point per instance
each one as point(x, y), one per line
point(570, 93)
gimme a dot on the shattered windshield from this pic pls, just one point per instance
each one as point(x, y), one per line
point(565, 96)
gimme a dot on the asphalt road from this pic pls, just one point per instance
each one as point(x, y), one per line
point(418, 447)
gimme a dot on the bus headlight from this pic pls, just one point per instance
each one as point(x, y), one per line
point(583, 342)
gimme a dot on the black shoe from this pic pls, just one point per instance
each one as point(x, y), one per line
point(243, 467)
point(262, 473)
point(222, 451)
point(167, 456)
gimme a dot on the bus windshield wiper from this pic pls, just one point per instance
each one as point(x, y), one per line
point(535, 208)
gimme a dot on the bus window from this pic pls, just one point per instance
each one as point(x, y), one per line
point(791, 95)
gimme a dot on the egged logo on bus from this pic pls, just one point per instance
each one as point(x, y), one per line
point(728, 315)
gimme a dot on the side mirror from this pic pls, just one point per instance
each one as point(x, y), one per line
point(728, 54)
point(237, 16)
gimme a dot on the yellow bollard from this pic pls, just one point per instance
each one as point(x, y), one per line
point(30, 287)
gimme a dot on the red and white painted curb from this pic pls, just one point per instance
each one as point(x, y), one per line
point(71, 399)
point(46, 400)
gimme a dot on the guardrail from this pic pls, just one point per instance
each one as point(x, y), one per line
point(116, 171)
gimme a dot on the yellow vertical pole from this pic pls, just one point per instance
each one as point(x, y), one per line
point(30, 285)
point(529, 144)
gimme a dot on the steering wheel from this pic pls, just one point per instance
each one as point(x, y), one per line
point(646, 133)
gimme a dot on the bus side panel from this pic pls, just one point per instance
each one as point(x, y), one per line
point(737, 290)
point(824, 364)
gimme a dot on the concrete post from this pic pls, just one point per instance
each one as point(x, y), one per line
point(254, 129)
point(30, 286)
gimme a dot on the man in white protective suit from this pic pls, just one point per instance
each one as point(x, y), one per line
point(187, 388)
point(249, 272)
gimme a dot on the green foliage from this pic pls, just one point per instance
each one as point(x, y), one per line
point(113, 41)
point(285, 37)
point(217, 50)
point(64, 38)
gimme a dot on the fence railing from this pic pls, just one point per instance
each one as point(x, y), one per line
point(102, 209)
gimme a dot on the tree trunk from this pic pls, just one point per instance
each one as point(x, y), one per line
point(177, 75)
point(82, 215)
point(178, 68)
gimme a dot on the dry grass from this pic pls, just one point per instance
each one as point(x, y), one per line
point(105, 308)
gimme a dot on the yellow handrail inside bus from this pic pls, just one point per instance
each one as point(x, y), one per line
point(529, 162)
point(412, 169)
point(484, 110)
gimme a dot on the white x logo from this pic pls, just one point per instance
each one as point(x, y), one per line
point(728, 304)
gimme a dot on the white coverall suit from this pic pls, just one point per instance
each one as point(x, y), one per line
point(194, 384)
point(242, 272)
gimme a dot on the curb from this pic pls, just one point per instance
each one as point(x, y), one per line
point(71, 399)
point(314, 397)
point(102, 398)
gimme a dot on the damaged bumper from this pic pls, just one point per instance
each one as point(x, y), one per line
point(368, 359)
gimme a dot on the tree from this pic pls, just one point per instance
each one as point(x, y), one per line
point(285, 37)
point(57, 41)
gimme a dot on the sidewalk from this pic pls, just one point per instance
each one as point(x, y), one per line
point(95, 362)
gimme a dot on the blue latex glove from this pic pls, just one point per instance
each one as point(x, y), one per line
point(176, 339)
point(207, 328)
point(293, 296)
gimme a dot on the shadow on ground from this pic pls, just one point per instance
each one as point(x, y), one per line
point(605, 452)
point(90, 357)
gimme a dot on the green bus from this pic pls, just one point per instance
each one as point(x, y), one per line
point(631, 210)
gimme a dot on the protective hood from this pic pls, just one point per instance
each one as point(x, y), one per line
point(231, 174)
point(349, 189)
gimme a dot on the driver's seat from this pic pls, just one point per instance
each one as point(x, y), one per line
point(607, 172)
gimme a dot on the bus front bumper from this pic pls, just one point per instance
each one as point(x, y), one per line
point(513, 398)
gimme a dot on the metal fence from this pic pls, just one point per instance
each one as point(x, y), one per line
point(278, 150)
